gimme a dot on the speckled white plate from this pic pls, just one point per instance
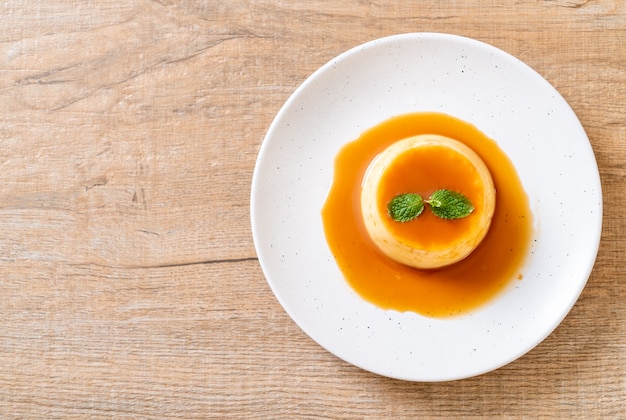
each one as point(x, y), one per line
point(477, 83)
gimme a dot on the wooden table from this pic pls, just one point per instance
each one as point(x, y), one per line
point(130, 286)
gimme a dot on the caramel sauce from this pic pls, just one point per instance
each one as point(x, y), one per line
point(448, 291)
point(422, 171)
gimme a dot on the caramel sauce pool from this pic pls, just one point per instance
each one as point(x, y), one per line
point(448, 291)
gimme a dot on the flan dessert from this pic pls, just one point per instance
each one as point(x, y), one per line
point(421, 165)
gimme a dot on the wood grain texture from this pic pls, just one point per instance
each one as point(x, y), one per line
point(129, 281)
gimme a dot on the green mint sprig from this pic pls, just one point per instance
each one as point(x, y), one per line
point(405, 207)
point(443, 203)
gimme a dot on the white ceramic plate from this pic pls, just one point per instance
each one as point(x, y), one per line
point(477, 83)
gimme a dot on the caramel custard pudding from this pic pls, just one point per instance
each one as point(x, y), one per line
point(423, 164)
point(493, 266)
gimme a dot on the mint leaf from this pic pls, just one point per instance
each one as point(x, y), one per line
point(405, 207)
point(450, 204)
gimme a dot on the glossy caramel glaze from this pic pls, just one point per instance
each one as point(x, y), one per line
point(448, 291)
